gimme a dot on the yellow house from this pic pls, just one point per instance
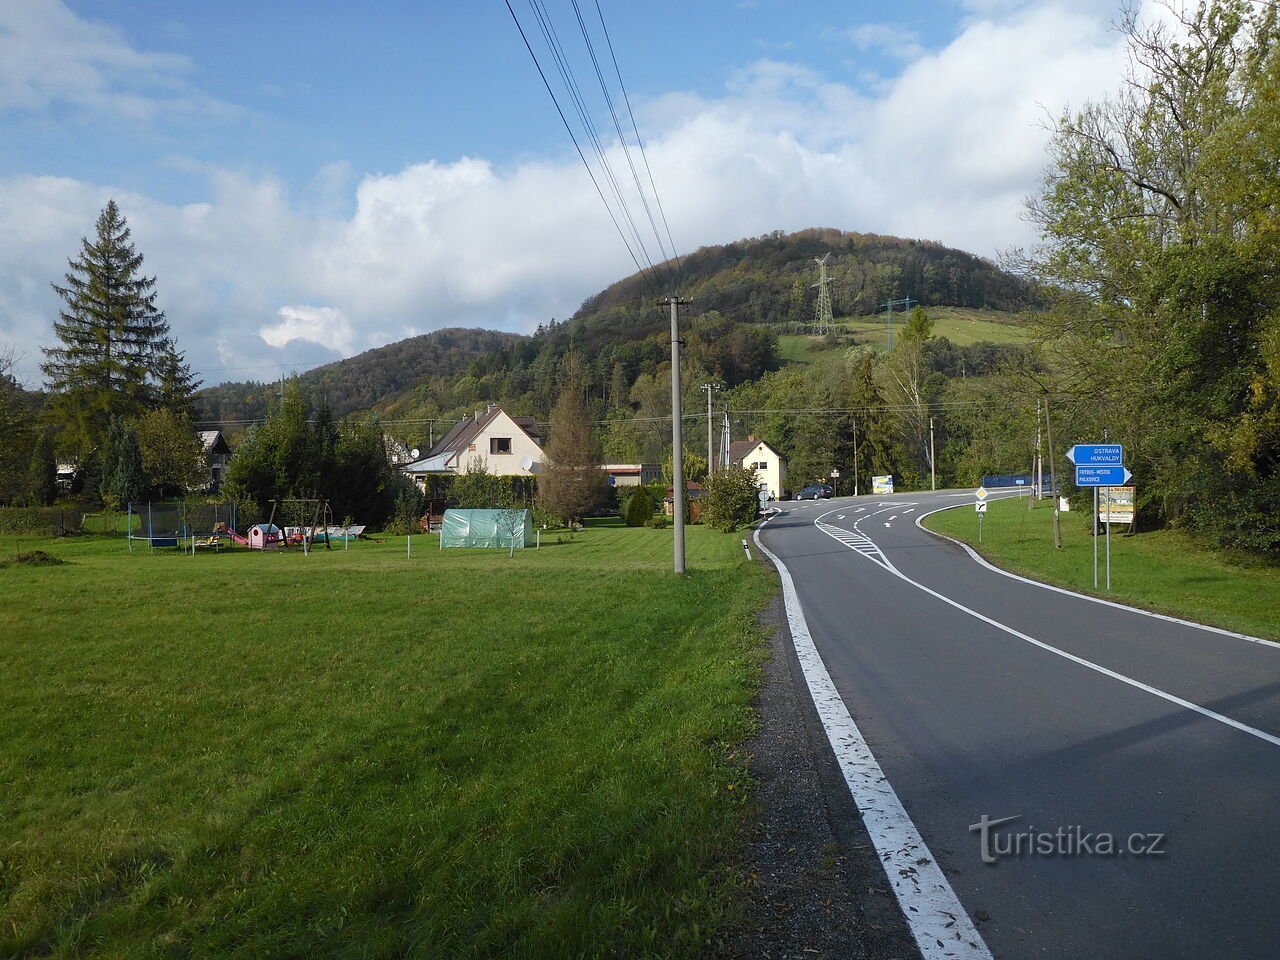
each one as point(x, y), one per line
point(770, 467)
point(504, 445)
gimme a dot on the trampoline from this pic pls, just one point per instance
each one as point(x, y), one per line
point(159, 525)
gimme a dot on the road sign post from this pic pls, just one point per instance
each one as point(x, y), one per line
point(1095, 538)
point(1107, 521)
point(1101, 466)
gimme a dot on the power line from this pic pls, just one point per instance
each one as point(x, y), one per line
point(939, 406)
point(581, 155)
point(617, 126)
point(552, 38)
point(640, 142)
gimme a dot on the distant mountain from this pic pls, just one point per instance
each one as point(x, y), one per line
point(362, 381)
point(743, 294)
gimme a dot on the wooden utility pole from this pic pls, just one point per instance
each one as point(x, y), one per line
point(677, 438)
point(711, 453)
point(1048, 429)
point(933, 473)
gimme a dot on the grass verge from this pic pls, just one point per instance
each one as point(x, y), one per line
point(361, 754)
point(1164, 570)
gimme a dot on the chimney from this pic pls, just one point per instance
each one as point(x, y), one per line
point(751, 438)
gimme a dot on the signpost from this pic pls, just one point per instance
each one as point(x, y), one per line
point(1101, 466)
point(1102, 476)
point(980, 507)
point(1096, 454)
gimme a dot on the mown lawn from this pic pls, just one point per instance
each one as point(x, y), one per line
point(1164, 570)
point(359, 754)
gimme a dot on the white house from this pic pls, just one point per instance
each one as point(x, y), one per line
point(770, 467)
point(506, 446)
point(632, 474)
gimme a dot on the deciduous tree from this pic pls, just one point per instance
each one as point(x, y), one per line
point(572, 484)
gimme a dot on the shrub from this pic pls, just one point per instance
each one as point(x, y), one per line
point(407, 517)
point(731, 499)
point(659, 522)
point(43, 521)
point(639, 508)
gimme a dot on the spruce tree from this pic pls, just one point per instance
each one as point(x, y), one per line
point(42, 476)
point(176, 384)
point(123, 479)
point(113, 338)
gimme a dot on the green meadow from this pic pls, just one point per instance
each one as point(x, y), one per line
point(1161, 570)
point(361, 754)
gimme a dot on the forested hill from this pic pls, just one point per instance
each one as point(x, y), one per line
point(769, 282)
point(742, 293)
point(770, 278)
point(362, 381)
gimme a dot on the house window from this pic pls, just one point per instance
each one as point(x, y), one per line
point(762, 465)
point(471, 448)
point(499, 445)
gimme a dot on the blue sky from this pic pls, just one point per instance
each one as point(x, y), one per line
point(310, 180)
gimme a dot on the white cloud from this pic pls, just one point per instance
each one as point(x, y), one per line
point(894, 39)
point(254, 276)
point(49, 56)
point(325, 326)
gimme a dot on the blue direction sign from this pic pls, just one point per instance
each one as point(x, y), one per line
point(1102, 476)
point(1096, 455)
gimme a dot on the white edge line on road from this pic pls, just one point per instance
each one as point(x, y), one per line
point(1083, 596)
point(1137, 684)
point(939, 923)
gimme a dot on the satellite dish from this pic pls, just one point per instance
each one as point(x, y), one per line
point(414, 453)
point(526, 464)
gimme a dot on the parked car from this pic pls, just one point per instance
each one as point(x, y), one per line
point(815, 491)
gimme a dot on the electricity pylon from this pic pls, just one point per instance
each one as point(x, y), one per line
point(905, 303)
point(823, 324)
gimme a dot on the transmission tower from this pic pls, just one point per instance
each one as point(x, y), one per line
point(822, 321)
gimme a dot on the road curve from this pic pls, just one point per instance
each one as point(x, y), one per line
point(981, 695)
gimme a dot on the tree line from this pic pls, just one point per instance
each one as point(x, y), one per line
point(1161, 239)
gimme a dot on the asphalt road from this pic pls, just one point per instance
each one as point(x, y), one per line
point(1077, 718)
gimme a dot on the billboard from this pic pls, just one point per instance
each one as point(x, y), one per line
point(882, 484)
point(1115, 504)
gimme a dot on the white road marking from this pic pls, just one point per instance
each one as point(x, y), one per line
point(894, 517)
point(886, 523)
point(1084, 596)
point(887, 564)
point(938, 921)
point(841, 517)
point(910, 510)
point(854, 540)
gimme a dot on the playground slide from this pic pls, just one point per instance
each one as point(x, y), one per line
point(243, 541)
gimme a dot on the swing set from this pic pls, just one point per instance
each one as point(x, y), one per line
point(302, 533)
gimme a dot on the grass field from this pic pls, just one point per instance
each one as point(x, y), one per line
point(360, 754)
point(960, 325)
point(1163, 570)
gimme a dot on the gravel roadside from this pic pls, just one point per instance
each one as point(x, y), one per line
point(816, 886)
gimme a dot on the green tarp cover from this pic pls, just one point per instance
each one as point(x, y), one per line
point(486, 528)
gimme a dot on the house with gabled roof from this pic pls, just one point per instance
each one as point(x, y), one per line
point(217, 454)
point(768, 463)
point(504, 445)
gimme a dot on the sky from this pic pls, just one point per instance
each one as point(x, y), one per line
point(309, 180)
